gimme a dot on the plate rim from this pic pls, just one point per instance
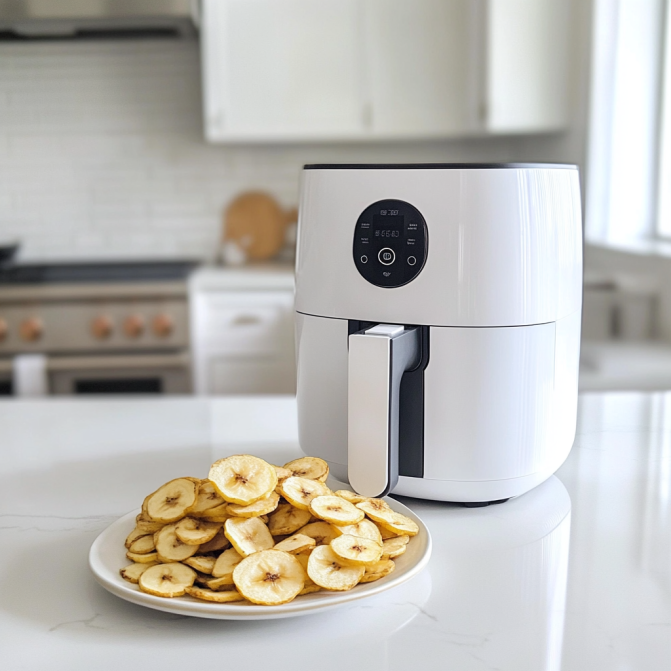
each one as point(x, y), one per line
point(113, 583)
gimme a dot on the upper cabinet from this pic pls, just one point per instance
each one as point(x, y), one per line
point(302, 70)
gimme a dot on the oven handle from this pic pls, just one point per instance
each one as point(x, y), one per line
point(61, 363)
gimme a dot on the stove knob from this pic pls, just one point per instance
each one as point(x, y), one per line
point(162, 325)
point(102, 327)
point(133, 326)
point(4, 329)
point(31, 329)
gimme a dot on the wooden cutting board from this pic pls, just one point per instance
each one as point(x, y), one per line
point(256, 222)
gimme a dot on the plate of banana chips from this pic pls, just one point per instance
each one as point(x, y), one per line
point(258, 541)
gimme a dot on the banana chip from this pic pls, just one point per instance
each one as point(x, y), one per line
point(168, 546)
point(135, 534)
point(207, 498)
point(143, 545)
point(171, 502)
point(356, 549)
point(364, 529)
point(243, 479)
point(150, 557)
point(269, 577)
point(248, 535)
point(287, 520)
point(201, 564)
point(194, 531)
point(216, 597)
point(167, 580)
point(311, 468)
point(300, 491)
point(219, 542)
point(133, 571)
point(226, 563)
point(330, 571)
point(378, 570)
point(218, 514)
point(296, 544)
point(335, 510)
point(350, 496)
point(261, 507)
point(394, 547)
point(147, 525)
point(322, 532)
point(388, 518)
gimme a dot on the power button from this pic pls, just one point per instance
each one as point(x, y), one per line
point(386, 256)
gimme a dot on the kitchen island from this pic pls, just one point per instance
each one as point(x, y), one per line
point(574, 576)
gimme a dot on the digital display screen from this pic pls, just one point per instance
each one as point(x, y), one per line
point(387, 226)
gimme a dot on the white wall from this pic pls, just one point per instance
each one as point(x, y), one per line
point(102, 156)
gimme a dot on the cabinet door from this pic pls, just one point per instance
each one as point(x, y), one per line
point(526, 64)
point(422, 66)
point(282, 70)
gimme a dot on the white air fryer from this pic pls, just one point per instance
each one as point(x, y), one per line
point(438, 326)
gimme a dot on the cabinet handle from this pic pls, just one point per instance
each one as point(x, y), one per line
point(247, 320)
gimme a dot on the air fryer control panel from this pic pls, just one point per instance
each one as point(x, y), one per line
point(390, 243)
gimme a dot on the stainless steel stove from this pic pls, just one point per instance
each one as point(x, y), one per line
point(89, 328)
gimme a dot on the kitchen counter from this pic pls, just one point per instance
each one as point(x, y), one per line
point(575, 575)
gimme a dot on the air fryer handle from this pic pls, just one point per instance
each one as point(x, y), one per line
point(378, 357)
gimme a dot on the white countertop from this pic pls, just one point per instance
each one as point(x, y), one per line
point(520, 586)
point(270, 276)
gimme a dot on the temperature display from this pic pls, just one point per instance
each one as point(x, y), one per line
point(387, 226)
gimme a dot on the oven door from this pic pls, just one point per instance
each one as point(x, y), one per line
point(121, 374)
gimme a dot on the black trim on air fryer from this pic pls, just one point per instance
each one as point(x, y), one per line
point(436, 166)
point(411, 405)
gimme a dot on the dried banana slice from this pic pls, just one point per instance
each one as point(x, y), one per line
point(134, 535)
point(218, 514)
point(263, 506)
point(226, 563)
point(167, 580)
point(309, 589)
point(201, 564)
point(311, 468)
point(303, 560)
point(243, 479)
point(287, 520)
point(172, 501)
point(193, 531)
point(335, 510)
point(296, 544)
point(219, 542)
point(282, 473)
point(216, 597)
point(220, 584)
point(356, 549)
point(143, 523)
point(322, 532)
point(143, 545)
point(207, 498)
point(330, 571)
point(394, 547)
point(385, 533)
point(378, 570)
point(143, 559)
point(132, 572)
point(248, 535)
point(350, 496)
point(300, 491)
point(170, 548)
point(364, 529)
point(388, 518)
point(269, 577)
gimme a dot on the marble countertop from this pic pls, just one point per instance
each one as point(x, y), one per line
point(574, 576)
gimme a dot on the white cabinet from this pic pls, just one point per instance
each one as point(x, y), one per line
point(243, 332)
point(288, 70)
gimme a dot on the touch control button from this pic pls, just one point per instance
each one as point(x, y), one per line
point(412, 260)
point(386, 256)
point(364, 259)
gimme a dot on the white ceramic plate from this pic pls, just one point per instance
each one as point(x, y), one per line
point(108, 556)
